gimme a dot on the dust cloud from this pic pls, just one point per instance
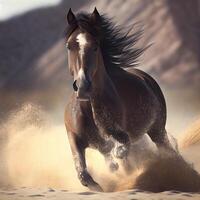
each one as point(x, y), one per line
point(35, 153)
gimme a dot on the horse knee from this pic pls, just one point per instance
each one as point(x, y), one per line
point(107, 147)
point(121, 151)
point(121, 137)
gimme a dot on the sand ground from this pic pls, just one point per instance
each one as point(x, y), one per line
point(30, 193)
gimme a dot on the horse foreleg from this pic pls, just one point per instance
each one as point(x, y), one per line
point(78, 152)
point(110, 123)
point(105, 147)
point(122, 144)
point(118, 144)
point(120, 139)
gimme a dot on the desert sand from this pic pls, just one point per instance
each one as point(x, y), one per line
point(29, 194)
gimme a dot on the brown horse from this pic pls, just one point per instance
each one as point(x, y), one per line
point(110, 108)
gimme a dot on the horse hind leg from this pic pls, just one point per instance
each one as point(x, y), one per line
point(160, 138)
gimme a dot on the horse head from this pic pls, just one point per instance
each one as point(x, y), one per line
point(83, 54)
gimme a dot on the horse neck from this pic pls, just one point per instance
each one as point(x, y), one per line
point(105, 100)
point(101, 79)
point(103, 87)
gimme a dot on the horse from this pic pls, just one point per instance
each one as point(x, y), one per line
point(110, 108)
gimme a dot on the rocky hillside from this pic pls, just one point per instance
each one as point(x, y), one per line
point(33, 58)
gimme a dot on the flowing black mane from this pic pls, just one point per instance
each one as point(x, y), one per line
point(116, 42)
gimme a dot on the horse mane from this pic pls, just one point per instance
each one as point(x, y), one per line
point(116, 42)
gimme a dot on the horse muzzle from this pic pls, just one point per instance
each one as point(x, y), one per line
point(82, 89)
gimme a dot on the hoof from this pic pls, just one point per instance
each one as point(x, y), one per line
point(121, 152)
point(113, 166)
point(96, 188)
point(88, 181)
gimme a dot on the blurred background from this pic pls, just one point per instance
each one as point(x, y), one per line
point(33, 62)
point(35, 81)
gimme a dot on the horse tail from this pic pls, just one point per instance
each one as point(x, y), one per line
point(191, 137)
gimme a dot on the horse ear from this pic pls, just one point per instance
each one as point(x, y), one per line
point(95, 17)
point(71, 19)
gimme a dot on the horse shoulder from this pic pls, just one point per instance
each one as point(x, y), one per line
point(77, 117)
point(68, 118)
point(72, 115)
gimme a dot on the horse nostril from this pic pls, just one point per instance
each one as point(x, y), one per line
point(75, 86)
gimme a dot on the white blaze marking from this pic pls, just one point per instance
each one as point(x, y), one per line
point(81, 39)
point(81, 73)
